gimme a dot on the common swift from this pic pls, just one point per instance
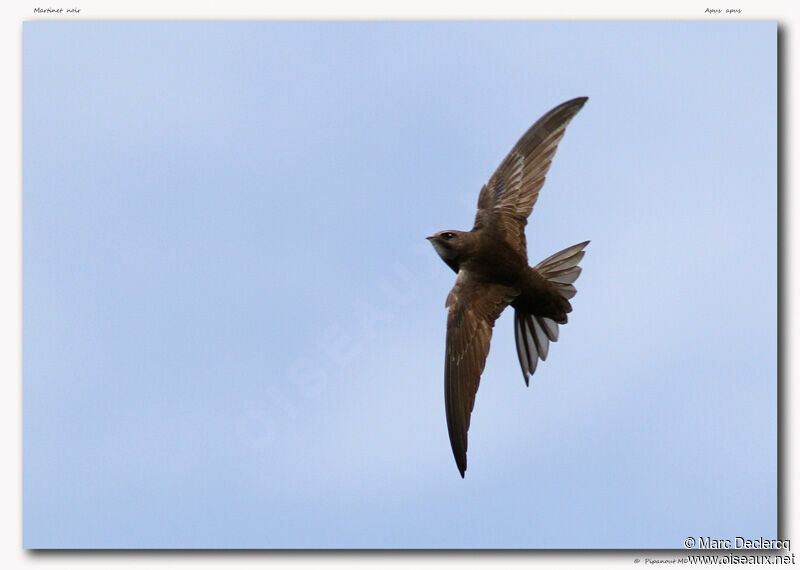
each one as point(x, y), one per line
point(491, 261)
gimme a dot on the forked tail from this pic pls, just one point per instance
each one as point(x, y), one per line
point(534, 333)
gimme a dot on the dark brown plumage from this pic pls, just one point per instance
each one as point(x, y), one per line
point(491, 261)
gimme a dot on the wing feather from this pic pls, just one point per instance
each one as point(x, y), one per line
point(507, 200)
point(473, 306)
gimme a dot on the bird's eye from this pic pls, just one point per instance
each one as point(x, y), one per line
point(448, 235)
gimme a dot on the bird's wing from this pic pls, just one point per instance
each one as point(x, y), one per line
point(473, 306)
point(507, 200)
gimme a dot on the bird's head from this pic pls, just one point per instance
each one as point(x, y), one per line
point(449, 244)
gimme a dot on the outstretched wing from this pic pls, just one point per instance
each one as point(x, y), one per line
point(473, 308)
point(506, 201)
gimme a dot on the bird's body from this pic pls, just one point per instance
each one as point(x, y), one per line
point(491, 262)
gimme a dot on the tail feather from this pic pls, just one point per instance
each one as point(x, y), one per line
point(550, 327)
point(526, 349)
point(542, 342)
point(534, 333)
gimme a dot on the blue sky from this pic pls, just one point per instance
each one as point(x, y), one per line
point(233, 327)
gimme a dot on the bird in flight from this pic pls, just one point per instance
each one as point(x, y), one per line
point(491, 261)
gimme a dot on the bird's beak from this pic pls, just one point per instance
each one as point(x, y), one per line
point(430, 237)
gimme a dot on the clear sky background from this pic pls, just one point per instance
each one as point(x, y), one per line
point(233, 326)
